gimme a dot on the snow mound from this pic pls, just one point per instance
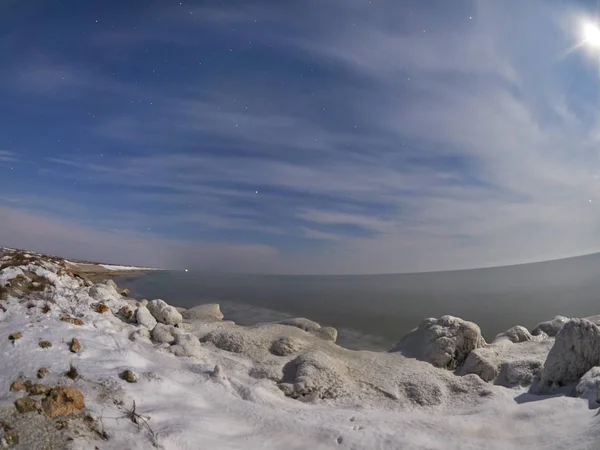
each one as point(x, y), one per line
point(186, 344)
point(550, 327)
point(286, 345)
point(207, 312)
point(164, 334)
point(576, 350)
point(445, 342)
point(515, 334)
point(164, 313)
point(326, 333)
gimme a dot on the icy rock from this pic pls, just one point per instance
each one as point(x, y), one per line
point(111, 283)
point(208, 312)
point(325, 333)
point(515, 334)
point(575, 351)
point(103, 292)
point(142, 334)
point(186, 345)
point(315, 375)
point(164, 313)
point(481, 362)
point(518, 373)
point(287, 346)
point(445, 342)
point(144, 317)
point(589, 387)
point(235, 341)
point(550, 327)
point(164, 334)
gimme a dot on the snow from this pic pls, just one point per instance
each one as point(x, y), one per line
point(9, 273)
point(124, 268)
point(231, 393)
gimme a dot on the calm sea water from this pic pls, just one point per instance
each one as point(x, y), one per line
point(375, 311)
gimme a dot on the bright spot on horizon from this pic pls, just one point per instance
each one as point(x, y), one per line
point(591, 34)
point(186, 270)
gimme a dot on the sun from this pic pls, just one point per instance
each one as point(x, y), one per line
point(591, 34)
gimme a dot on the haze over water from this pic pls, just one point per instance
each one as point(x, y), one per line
point(375, 311)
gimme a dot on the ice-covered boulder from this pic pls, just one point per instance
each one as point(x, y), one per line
point(550, 327)
point(315, 375)
point(287, 346)
point(103, 292)
point(186, 344)
point(233, 340)
point(326, 333)
point(143, 334)
point(208, 312)
point(445, 342)
point(576, 350)
point(518, 373)
point(515, 334)
point(589, 387)
point(164, 313)
point(164, 334)
point(482, 362)
point(144, 317)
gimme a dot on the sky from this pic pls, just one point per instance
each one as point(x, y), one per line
point(314, 136)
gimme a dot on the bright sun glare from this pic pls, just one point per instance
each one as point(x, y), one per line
point(591, 34)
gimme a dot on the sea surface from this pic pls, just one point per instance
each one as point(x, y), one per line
point(373, 312)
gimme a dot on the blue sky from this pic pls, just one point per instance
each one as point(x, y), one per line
point(300, 137)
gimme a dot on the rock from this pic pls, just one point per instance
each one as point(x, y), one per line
point(63, 401)
point(302, 323)
point(140, 335)
point(36, 388)
point(14, 336)
point(44, 344)
point(518, 373)
point(101, 308)
point(42, 372)
point(125, 292)
point(217, 372)
point(164, 334)
point(445, 342)
point(515, 334)
point(26, 404)
point(129, 376)
point(315, 375)
point(551, 327)
point(234, 341)
point(589, 387)
point(207, 313)
point(186, 344)
point(164, 313)
point(128, 314)
point(111, 283)
point(285, 346)
point(576, 350)
point(327, 334)
point(103, 292)
point(143, 317)
point(142, 303)
point(72, 320)
point(74, 346)
point(16, 386)
point(481, 362)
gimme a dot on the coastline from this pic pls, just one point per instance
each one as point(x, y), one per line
point(285, 384)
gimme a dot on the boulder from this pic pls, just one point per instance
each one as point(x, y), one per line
point(235, 341)
point(482, 362)
point(576, 350)
point(208, 312)
point(589, 387)
point(315, 375)
point(164, 334)
point(515, 334)
point(325, 333)
point(518, 373)
point(164, 313)
point(550, 327)
point(63, 401)
point(186, 344)
point(445, 342)
point(143, 334)
point(144, 317)
point(111, 283)
point(102, 292)
point(285, 346)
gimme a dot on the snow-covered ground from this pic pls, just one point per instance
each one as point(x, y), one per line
point(204, 382)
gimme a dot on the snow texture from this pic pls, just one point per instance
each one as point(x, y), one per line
point(445, 342)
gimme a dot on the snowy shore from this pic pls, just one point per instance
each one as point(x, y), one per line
point(106, 371)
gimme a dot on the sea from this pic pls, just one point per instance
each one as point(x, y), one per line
point(373, 312)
